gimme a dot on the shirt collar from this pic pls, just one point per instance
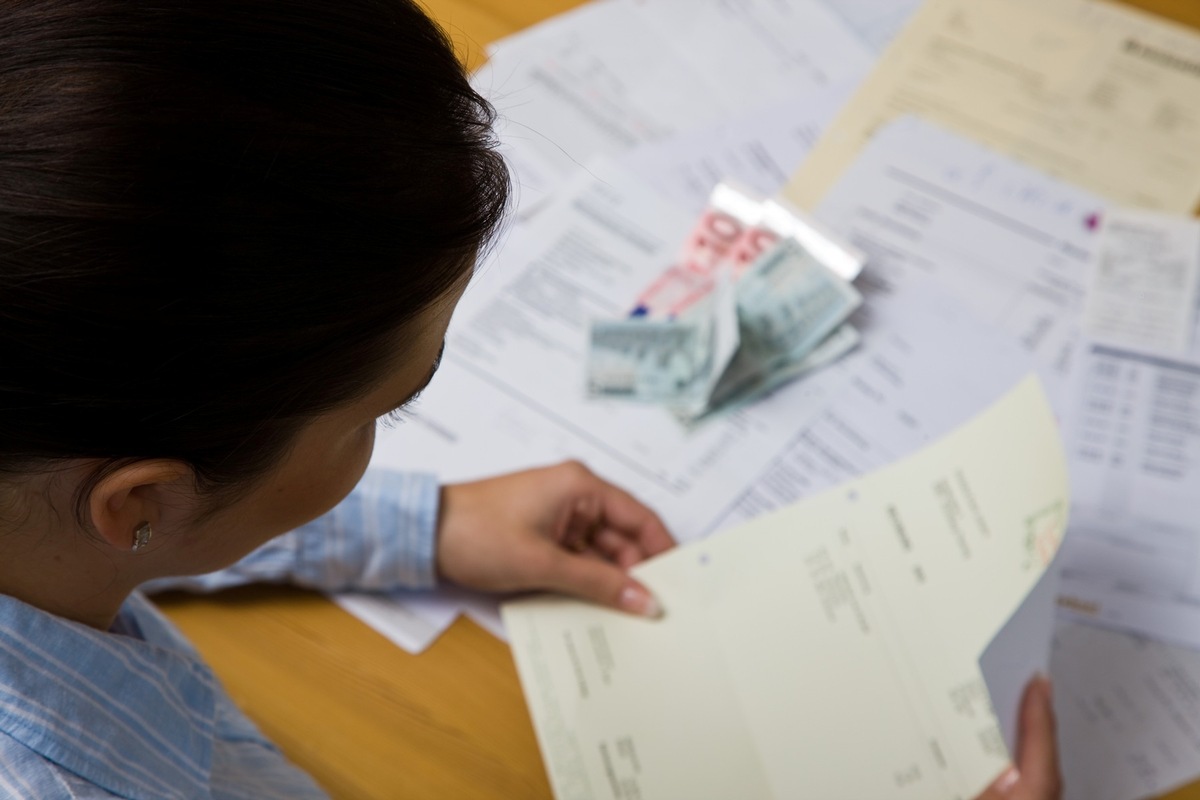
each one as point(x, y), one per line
point(131, 717)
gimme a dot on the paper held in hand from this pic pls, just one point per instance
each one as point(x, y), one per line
point(851, 646)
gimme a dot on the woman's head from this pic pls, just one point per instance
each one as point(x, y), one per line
point(222, 219)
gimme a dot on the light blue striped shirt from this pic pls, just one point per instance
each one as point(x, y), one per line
point(136, 713)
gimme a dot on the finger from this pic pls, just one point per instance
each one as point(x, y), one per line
point(1037, 752)
point(636, 521)
point(580, 519)
point(1036, 774)
point(597, 580)
point(617, 549)
point(1002, 787)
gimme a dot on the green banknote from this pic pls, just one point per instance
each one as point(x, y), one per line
point(743, 381)
point(744, 339)
point(788, 302)
point(673, 362)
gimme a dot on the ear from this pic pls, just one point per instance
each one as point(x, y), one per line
point(156, 491)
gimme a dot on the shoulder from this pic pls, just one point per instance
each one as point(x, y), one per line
point(26, 774)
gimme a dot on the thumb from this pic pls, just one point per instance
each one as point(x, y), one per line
point(1037, 775)
point(600, 582)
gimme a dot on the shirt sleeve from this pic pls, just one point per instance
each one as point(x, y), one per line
point(381, 537)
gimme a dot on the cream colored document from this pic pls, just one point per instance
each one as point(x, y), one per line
point(829, 650)
point(1102, 95)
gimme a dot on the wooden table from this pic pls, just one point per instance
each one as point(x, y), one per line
point(366, 719)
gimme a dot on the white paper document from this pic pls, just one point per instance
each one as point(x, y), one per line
point(927, 366)
point(411, 620)
point(1127, 711)
point(612, 75)
point(1134, 561)
point(1013, 243)
point(758, 149)
point(1143, 289)
point(1100, 94)
point(851, 623)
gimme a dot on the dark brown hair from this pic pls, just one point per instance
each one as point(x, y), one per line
point(216, 217)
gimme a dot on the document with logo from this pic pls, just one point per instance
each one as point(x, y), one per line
point(831, 649)
point(1098, 94)
point(1143, 289)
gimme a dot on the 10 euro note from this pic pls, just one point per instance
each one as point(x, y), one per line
point(725, 235)
point(736, 229)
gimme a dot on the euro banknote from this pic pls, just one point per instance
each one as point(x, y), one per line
point(741, 340)
point(676, 361)
point(721, 234)
point(744, 382)
point(735, 230)
point(788, 302)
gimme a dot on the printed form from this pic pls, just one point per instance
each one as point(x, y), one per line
point(850, 623)
point(1127, 711)
point(609, 76)
point(1135, 458)
point(1099, 94)
point(758, 149)
point(1143, 290)
point(1014, 244)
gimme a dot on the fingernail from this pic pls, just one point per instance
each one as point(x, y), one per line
point(1008, 780)
point(637, 600)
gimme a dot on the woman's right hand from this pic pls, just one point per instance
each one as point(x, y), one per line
point(1035, 775)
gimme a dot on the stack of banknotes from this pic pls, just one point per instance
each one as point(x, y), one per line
point(758, 297)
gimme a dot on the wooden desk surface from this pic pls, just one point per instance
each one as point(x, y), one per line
point(367, 720)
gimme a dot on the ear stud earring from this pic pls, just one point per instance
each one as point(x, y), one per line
point(141, 536)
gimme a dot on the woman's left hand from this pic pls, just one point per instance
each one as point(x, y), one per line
point(557, 528)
